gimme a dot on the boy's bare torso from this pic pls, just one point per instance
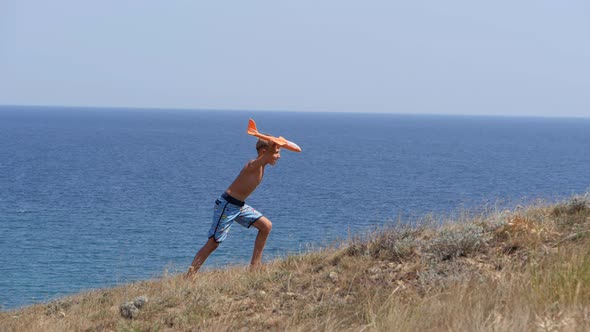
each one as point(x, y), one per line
point(247, 181)
point(252, 174)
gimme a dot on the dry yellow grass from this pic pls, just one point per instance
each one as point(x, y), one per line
point(525, 270)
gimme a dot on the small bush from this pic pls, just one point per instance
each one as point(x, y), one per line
point(452, 243)
point(357, 249)
point(496, 222)
point(576, 205)
point(396, 244)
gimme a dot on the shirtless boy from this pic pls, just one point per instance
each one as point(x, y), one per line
point(230, 207)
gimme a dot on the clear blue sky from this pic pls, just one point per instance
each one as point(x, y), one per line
point(525, 57)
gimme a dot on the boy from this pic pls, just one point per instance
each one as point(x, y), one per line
point(230, 207)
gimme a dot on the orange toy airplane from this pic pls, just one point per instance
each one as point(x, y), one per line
point(280, 141)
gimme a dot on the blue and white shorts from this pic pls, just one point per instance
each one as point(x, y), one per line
point(227, 210)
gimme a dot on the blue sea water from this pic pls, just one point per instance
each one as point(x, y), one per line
point(97, 197)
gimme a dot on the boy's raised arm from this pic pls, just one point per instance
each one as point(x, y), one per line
point(256, 163)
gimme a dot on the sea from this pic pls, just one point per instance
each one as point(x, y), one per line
point(98, 197)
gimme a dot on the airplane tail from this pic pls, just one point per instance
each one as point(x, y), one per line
point(252, 127)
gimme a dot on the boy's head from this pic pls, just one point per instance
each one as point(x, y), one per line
point(263, 144)
point(264, 147)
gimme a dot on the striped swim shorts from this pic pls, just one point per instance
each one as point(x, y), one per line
point(227, 210)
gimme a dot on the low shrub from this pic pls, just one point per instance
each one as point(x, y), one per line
point(457, 241)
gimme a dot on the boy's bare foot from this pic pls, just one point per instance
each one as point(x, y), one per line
point(191, 274)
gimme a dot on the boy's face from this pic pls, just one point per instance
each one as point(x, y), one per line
point(273, 154)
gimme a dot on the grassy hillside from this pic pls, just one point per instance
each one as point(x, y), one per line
point(522, 270)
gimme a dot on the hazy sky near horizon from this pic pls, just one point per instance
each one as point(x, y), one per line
point(529, 57)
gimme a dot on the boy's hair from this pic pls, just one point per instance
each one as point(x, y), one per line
point(263, 144)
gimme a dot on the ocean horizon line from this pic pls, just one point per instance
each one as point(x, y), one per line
point(183, 109)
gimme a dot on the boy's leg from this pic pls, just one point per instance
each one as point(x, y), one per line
point(202, 255)
point(223, 217)
point(264, 227)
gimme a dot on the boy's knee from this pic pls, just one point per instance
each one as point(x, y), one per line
point(266, 225)
point(212, 244)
